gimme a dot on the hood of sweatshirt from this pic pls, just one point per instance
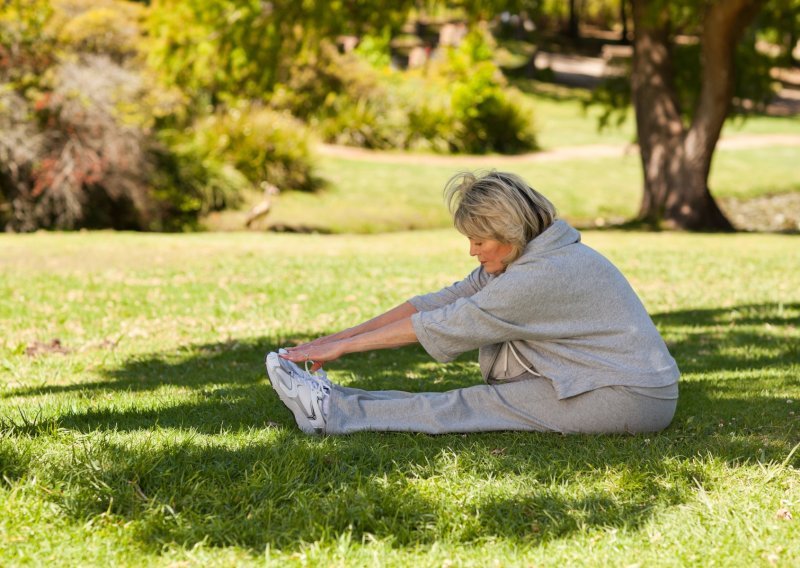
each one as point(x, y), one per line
point(559, 234)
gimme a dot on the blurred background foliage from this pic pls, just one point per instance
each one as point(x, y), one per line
point(149, 115)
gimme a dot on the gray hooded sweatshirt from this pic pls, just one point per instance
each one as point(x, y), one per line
point(563, 307)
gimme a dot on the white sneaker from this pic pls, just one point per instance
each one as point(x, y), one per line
point(304, 394)
point(292, 368)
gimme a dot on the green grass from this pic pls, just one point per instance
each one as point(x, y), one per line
point(155, 440)
point(375, 197)
point(562, 119)
point(371, 197)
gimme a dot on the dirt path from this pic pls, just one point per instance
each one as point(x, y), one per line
point(559, 154)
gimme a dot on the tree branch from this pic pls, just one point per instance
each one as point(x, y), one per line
point(723, 25)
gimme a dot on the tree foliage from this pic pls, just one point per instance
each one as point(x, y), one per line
point(676, 152)
point(72, 150)
point(87, 139)
point(457, 103)
point(283, 54)
point(148, 114)
point(220, 50)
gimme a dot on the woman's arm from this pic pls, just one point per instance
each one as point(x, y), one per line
point(404, 310)
point(397, 333)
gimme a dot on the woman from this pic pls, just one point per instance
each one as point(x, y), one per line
point(565, 344)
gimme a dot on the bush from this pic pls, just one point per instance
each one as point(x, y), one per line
point(490, 117)
point(458, 104)
point(188, 184)
point(86, 142)
point(215, 163)
point(26, 46)
point(84, 165)
point(73, 140)
point(344, 98)
point(264, 145)
point(108, 27)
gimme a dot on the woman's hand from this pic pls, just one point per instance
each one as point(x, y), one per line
point(397, 332)
point(319, 353)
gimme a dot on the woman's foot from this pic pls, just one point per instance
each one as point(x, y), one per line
point(306, 395)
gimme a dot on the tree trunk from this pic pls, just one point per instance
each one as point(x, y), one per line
point(572, 29)
point(676, 159)
point(623, 16)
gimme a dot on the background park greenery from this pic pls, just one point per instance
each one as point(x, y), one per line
point(152, 115)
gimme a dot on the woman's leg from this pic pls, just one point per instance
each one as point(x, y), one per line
point(527, 403)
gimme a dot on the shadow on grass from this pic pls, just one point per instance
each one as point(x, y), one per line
point(287, 489)
point(294, 490)
point(745, 337)
point(193, 366)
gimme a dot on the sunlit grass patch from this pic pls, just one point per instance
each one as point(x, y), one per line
point(372, 197)
point(152, 437)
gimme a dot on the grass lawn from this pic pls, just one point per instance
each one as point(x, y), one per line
point(562, 119)
point(371, 197)
point(154, 438)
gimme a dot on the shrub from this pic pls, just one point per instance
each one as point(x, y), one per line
point(490, 117)
point(264, 145)
point(221, 158)
point(458, 104)
point(344, 98)
point(188, 184)
point(431, 122)
point(224, 50)
point(85, 166)
point(109, 27)
point(26, 46)
point(73, 140)
point(85, 142)
point(20, 147)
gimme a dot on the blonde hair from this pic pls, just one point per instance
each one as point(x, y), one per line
point(498, 206)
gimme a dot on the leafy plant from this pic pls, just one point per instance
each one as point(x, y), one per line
point(489, 117)
point(82, 165)
point(109, 27)
point(223, 50)
point(459, 104)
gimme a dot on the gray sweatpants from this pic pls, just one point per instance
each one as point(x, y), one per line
point(524, 402)
point(529, 403)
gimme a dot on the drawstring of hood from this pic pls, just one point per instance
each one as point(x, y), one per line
point(519, 360)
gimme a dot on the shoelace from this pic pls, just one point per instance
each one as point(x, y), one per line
point(318, 387)
point(322, 391)
point(320, 377)
point(316, 381)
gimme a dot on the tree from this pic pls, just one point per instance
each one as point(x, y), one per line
point(222, 50)
point(781, 19)
point(572, 27)
point(676, 155)
point(623, 16)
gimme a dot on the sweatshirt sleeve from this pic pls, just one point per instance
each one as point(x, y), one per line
point(470, 285)
point(501, 311)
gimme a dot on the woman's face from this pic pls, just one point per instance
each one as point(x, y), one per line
point(490, 254)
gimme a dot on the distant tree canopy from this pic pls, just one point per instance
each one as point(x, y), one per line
point(218, 49)
point(149, 114)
